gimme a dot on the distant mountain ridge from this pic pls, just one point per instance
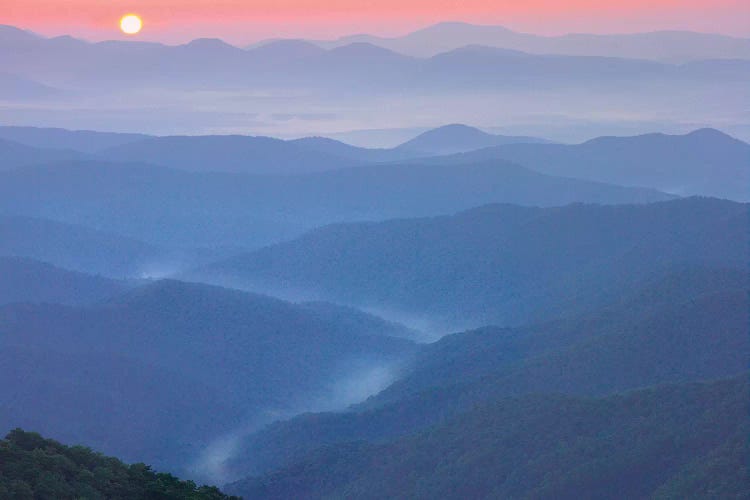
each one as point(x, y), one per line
point(498, 264)
point(74, 247)
point(14, 155)
point(458, 138)
point(539, 93)
point(231, 153)
point(84, 141)
point(257, 155)
point(703, 162)
point(204, 63)
point(27, 280)
point(674, 46)
point(172, 208)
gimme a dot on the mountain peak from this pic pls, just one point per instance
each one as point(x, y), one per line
point(709, 133)
point(459, 138)
point(287, 48)
point(13, 34)
point(453, 129)
point(69, 41)
point(702, 134)
point(210, 44)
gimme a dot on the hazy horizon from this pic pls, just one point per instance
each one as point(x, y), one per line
point(112, 34)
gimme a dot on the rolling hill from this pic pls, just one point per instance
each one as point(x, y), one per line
point(696, 330)
point(459, 138)
point(238, 153)
point(172, 208)
point(704, 162)
point(83, 141)
point(257, 155)
point(498, 264)
point(676, 46)
point(14, 155)
point(168, 350)
point(75, 247)
point(34, 467)
point(682, 440)
point(26, 280)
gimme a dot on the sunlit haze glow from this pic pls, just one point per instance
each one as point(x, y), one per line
point(240, 21)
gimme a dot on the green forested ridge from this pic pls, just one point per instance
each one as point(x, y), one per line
point(680, 441)
point(32, 467)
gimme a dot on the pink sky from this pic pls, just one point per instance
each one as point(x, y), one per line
point(244, 21)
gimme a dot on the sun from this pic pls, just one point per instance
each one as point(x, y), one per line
point(131, 24)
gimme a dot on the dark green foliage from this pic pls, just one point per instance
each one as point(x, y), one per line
point(32, 467)
point(672, 442)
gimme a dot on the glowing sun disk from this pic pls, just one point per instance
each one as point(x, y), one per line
point(131, 24)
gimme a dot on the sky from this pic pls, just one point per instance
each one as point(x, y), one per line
point(247, 21)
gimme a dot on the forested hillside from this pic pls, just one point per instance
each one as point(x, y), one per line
point(499, 264)
point(684, 441)
point(32, 467)
point(696, 330)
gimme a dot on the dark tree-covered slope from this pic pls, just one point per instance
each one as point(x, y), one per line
point(500, 264)
point(32, 467)
point(164, 369)
point(684, 327)
point(682, 441)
